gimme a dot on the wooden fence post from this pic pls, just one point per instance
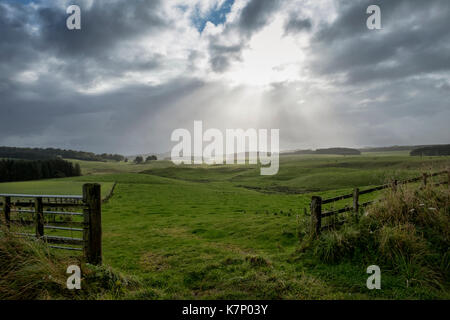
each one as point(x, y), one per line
point(316, 215)
point(425, 177)
point(93, 223)
point(39, 217)
point(7, 211)
point(356, 200)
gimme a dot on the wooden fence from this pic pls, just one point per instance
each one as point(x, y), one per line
point(77, 214)
point(317, 202)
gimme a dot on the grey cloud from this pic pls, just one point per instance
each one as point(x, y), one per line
point(409, 111)
point(414, 40)
point(396, 89)
point(89, 71)
point(295, 24)
point(16, 41)
point(117, 120)
point(256, 15)
point(222, 54)
point(89, 54)
point(104, 26)
point(50, 112)
point(220, 63)
point(398, 112)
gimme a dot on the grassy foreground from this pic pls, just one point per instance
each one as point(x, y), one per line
point(226, 232)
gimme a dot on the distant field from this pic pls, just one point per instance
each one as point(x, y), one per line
point(207, 232)
point(50, 187)
point(97, 167)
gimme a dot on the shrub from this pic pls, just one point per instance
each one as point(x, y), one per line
point(138, 160)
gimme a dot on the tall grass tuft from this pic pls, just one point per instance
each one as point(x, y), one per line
point(408, 233)
point(29, 270)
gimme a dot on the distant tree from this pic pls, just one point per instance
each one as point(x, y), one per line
point(51, 153)
point(138, 160)
point(22, 170)
point(438, 150)
point(77, 170)
point(126, 160)
point(339, 151)
point(151, 158)
point(113, 157)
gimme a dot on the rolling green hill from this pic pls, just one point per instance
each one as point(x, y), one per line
point(217, 232)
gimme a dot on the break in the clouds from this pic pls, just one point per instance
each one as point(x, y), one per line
point(139, 69)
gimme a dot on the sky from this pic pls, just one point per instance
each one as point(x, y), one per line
point(139, 69)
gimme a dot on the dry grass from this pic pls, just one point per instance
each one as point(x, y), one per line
point(29, 270)
point(407, 233)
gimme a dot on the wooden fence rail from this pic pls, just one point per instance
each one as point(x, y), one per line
point(44, 210)
point(317, 202)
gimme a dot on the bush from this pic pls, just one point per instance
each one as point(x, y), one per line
point(138, 160)
point(151, 158)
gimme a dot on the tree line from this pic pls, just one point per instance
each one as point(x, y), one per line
point(140, 159)
point(332, 151)
point(52, 153)
point(23, 170)
point(439, 150)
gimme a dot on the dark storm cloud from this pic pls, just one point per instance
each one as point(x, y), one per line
point(89, 71)
point(296, 24)
point(104, 26)
point(16, 42)
point(50, 109)
point(394, 77)
point(415, 40)
point(13, 32)
point(89, 53)
point(100, 122)
point(256, 15)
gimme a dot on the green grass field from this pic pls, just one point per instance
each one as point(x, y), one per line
point(224, 232)
point(50, 187)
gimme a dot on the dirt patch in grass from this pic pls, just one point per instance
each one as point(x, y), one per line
point(151, 261)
